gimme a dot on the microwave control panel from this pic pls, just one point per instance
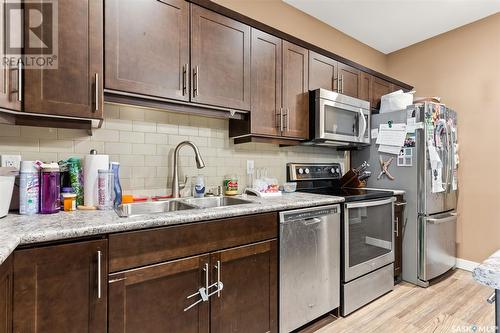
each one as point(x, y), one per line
point(312, 171)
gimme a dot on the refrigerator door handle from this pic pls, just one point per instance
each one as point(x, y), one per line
point(449, 165)
point(451, 218)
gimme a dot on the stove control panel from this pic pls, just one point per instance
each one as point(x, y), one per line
point(313, 171)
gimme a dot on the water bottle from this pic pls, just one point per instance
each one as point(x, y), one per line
point(29, 188)
point(50, 189)
point(115, 167)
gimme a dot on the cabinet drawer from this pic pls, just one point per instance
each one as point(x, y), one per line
point(139, 248)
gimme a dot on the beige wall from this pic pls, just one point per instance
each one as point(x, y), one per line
point(286, 18)
point(463, 67)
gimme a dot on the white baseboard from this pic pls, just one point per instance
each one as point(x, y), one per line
point(466, 265)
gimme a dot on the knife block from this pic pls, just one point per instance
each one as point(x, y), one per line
point(350, 179)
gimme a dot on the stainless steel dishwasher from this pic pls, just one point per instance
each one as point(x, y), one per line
point(309, 265)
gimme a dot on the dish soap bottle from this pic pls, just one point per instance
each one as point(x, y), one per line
point(115, 167)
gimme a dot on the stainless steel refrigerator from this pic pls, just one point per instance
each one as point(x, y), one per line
point(429, 229)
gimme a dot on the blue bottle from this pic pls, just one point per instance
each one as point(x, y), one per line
point(115, 167)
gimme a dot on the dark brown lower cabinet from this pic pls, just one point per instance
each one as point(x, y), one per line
point(248, 302)
point(155, 298)
point(61, 288)
point(6, 296)
point(399, 216)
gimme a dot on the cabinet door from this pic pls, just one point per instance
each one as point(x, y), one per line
point(265, 116)
point(75, 87)
point(8, 73)
point(295, 91)
point(322, 72)
point(365, 89)
point(248, 302)
point(349, 80)
point(6, 296)
point(151, 55)
point(379, 88)
point(153, 298)
point(61, 288)
point(220, 60)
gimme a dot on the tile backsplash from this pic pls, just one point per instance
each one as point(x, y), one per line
point(143, 141)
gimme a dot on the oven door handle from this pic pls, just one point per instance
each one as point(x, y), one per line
point(370, 203)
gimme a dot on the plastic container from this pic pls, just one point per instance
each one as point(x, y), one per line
point(6, 188)
point(29, 188)
point(289, 187)
point(68, 202)
point(117, 187)
point(231, 185)
point(105, 188)
point(50, 188)
point(199, 187)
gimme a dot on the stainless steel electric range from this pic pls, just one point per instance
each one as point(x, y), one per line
point(367, 237)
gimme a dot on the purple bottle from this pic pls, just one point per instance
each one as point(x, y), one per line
point(50, 186)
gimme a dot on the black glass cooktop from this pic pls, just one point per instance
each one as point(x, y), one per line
point(350, 194)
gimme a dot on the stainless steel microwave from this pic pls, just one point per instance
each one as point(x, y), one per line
point(338, 120)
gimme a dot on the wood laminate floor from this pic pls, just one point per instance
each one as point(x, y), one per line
point(453, 304)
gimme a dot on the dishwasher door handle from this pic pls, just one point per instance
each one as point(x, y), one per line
point(312, 220)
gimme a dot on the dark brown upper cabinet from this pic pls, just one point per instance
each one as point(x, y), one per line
point(322, 72)
point(380, 87)
point(295, 91)
point(266, 67)
point(220, 60)
point(75, 87)
point(248, 302)
point(349, 80)
point(6, 276)
point(153, 298)
point(61, 288)
point(365, 88)
point(9, 84)
point(147, 47)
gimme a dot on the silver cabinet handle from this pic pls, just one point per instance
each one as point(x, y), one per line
point(287, 119)
point(335, 79)
point(491, 299)
point(396, 227)
point(206, 276)
point(278, 122)
point(184, 79)
point(97, 91)
point(281, 119)
point(20, 80)
point(195, 81)
point(219, 283)
point(342, 83)
point(99, 273)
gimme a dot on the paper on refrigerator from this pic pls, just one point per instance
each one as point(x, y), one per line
point(393, 135)
point(436, 168)
point(394, 150)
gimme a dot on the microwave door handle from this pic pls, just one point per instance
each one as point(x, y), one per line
point(363, 126)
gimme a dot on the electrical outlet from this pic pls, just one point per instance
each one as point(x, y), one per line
point(10, 161)
point(250, 167)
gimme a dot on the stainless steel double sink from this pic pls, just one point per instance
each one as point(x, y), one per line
point(172, 205)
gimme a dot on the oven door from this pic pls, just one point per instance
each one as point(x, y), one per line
point(368, 236)
point(342, 122)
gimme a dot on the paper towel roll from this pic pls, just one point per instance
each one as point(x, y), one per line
point(92, 164)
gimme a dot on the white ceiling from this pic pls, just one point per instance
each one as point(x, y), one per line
point(390, 25)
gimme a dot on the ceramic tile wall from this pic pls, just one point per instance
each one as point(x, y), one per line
point(143, 140)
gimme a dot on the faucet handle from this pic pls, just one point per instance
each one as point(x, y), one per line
point(183, 185)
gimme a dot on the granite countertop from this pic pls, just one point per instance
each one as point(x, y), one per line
point(21, 229)
point(488, 273)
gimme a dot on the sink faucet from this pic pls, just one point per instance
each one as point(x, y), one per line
point(199, 163)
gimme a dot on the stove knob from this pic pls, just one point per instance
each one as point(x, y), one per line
point(307, 171)
point(337, 170)
point(332, 170)
point(301, 171)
